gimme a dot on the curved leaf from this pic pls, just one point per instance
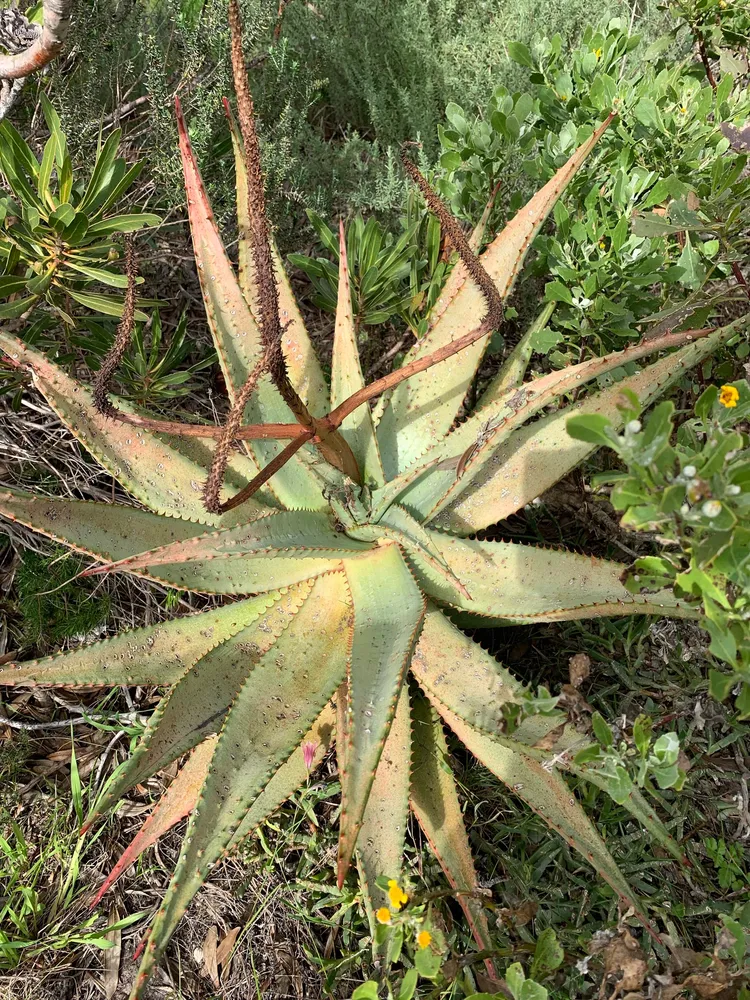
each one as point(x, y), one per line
point(237, 337)
point(155, 655)
point(158, 475)
point(302, 363)
point(548, 795)
point(422, 409)
point(108, 531)
point(434, 801)
point(524, 583)
point(198, 703)
point(272, 711)
point(388, 612)
point(533, 458)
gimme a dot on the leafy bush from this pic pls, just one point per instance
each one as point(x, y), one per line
point(658, 219)
point(694, 491)
point(56, 238)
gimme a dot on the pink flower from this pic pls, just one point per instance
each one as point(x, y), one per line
point(308, 753)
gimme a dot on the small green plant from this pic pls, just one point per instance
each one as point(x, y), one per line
point(388, 277)
point(150, 372)
point(53, 607)
point(56, 231)
point(693, 490)
point(729, 862)
point(39, 884)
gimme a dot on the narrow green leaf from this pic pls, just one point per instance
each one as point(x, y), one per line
point(156, 655)
point(380, 844)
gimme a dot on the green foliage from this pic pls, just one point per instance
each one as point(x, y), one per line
point(355, 582)
point(52, 605)
point(615, 257)
point(40, 880)
point(150, 373)
point(56, 235)
point(693, 490)
point(389, 276)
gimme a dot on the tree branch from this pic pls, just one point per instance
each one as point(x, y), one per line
point(45, 48)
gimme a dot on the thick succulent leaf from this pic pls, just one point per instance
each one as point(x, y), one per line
point(346, 379)
point(283, 549)
point(109, 531)
point(533, 458)
point(198, 703)
point(434, 801)
point(160, 476)
point(155, 655)
point(547, 794)
point(380, 845)
point(422, 409)
point(524, 583)
point(398, 525)
point(513, 369)
point(457, 672)
point(269, 717)
point(459, 675)
point(182, 795)
point(175, 804)
point(302, 363)
point(388, 612)
point(451, 463)
point(237, 338)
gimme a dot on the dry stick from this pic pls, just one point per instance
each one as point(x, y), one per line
point(213, 484)
point(122, 336)
point(270, 470)
point(247, 432)
point(56, 20)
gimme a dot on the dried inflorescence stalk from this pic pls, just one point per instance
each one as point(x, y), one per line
point(122, 336)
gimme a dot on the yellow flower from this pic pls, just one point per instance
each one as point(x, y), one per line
point(598, 53)
point(602, 245)
point(383, 915)
point(728, 396)
point(683, 110)
point(423, 939)
point(396, 895)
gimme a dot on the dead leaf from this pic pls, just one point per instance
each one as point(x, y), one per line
point(519, 915)
point(739, 139)
point(210, 966)
point(579, 667)
point(224, 950)
point(111, 958)
point(693, 201)
point(704, 985)
point(624, 962)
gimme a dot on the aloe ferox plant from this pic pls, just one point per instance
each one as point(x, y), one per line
point(347, 563)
